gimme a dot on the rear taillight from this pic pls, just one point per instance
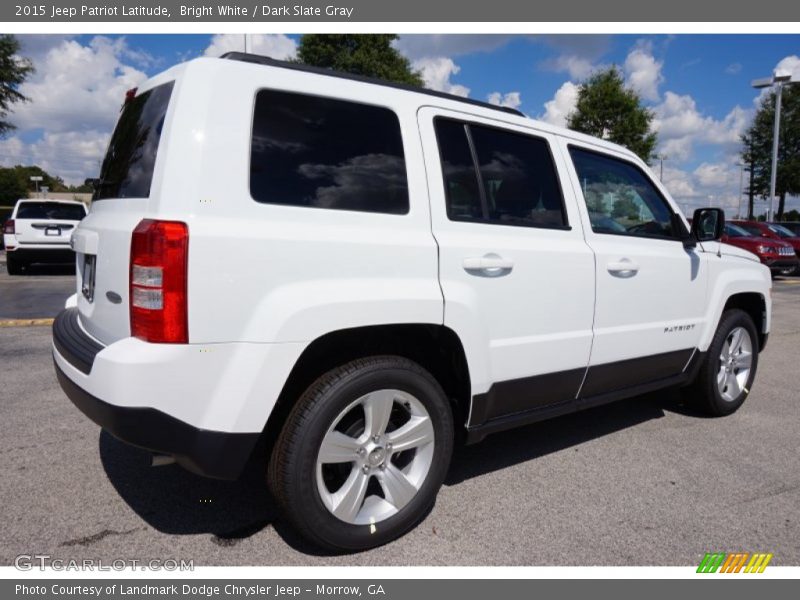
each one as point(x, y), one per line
point(158, 298)
point(8, 228)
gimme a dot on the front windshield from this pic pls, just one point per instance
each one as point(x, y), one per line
point(781, 231)
point(752, 229)
point(732, 230)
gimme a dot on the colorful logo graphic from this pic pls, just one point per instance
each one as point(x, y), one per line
point(736, 562)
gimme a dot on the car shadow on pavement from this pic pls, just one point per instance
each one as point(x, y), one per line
point(530, 442)
point(175, 501)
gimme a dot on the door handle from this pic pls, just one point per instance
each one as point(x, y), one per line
point(488, 265)
point(624, 267)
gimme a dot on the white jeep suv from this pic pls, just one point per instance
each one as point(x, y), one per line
point(361, 273)
point(39, 231)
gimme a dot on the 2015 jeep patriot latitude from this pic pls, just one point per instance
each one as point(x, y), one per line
point(362, 272)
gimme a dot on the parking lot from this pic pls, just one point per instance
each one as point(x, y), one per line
point(642, 482)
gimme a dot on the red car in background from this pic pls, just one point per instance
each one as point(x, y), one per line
point(778, 255)
point(774, 231)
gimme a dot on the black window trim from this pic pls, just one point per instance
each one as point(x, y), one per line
point(672, 238)
point(334, 210)
point(479, 176)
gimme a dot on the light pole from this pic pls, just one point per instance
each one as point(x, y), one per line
point(777, 81)
point(741, 188)
point(661, 158)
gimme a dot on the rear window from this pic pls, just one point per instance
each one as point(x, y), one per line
point(497, 176)
point(324, 153)
point(51, 211)
point(127, 169)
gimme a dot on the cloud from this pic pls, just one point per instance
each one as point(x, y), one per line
point(681, 126)
point(679, 183)
point(357, 181)
point(72, 155)
point(75, 96)
point(77, 87)
point(510, 100)
point(733, 68)
point(277, 46)
point(710, 184)
point(36, 46)
point(643, 71)
point(563, 103)
point(789, 64)
point(436, 73)
point(577, 67)
point(714, 174)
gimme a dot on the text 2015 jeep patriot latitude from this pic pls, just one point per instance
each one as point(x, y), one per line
point(361, 272)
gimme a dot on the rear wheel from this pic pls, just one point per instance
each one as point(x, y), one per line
point(363, 453)
point(727, 374)
point(13, 265)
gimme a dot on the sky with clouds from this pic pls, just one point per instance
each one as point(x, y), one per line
point(698, 87)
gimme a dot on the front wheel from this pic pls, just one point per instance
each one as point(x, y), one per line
point(729, 368)
point(363, 453)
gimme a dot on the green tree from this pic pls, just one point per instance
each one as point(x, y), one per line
point(13, 71)
point(369, 55)
point(54, 183)
point(757, 147)
point(608, 110)
point(12, 187)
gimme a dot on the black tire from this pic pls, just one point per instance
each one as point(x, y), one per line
point(291, 473)
point(14, 266)
point(704, 393)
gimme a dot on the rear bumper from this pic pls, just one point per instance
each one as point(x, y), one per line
point(204, 405)
point(42, 254)
point(209, 453)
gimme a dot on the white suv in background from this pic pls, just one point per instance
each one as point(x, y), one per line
point(361, 273)
point(39, 231)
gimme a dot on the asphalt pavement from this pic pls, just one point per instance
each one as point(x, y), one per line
point(40, 293)
point(645, 481)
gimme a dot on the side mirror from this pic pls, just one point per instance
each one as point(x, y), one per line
point(679, 229)
point(708, 224)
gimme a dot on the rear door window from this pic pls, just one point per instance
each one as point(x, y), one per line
point(51, 211)
point(319, 152)
point(497, 176)
point(127, 170)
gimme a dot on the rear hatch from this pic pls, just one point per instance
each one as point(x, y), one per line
point(122, 199)
point(47, 222)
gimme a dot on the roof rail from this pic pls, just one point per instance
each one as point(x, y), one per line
point(282, 64)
